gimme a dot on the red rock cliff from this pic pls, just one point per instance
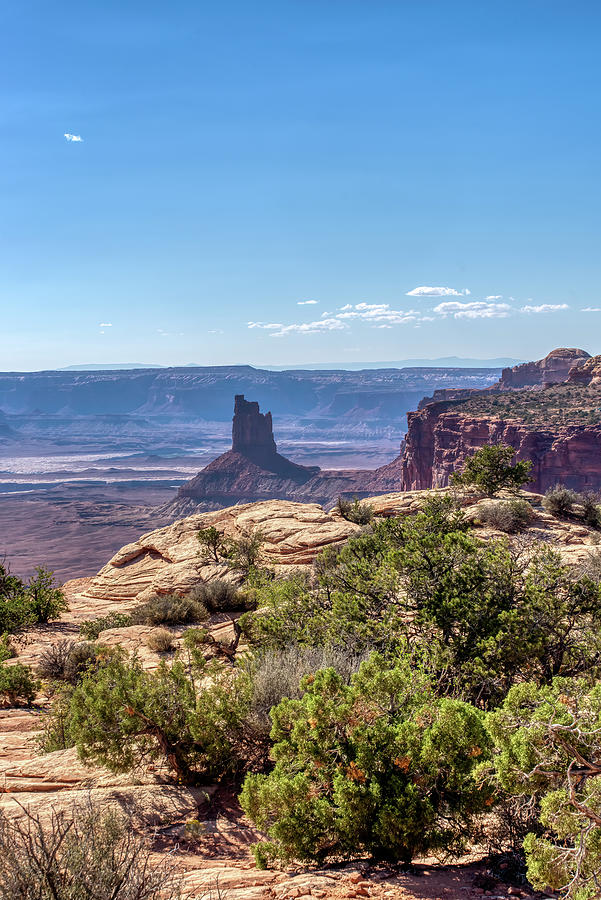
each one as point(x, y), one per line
point(439, 440)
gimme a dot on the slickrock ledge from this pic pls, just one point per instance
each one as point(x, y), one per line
point(168, 559)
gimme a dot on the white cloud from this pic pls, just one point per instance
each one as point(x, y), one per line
point(270, 326)
point(74, 138)
point(320, 327)
point(592, 309)
point(377, 314)
point(494, 297)
point(544, 308)
point(475, 309)
point(215, 331)
point(307, 302)
point(106, 325)
point(425, 291)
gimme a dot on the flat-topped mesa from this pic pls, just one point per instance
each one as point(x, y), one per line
point(252, 431)
point(553, 369)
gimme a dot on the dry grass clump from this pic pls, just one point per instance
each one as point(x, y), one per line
point(170, 610)
point(160, 640)
point(510, 516)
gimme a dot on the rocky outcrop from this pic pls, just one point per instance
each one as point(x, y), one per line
point(168, 560)
point(587, 373)
point(253, 470)
point(553, 369)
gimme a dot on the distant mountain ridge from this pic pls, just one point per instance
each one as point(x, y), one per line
point(444, 362)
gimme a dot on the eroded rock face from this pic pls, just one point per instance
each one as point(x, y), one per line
point(553, 369)
point(587, 373)
point(440, 439)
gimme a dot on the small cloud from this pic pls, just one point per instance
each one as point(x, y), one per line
point(425, 291)
point(592, 309)
point(475, 309)
point(106, 325)
point(216, 331)
point(270, 326)
point(74, 138)
point(307, 302)
point(544, 308)
point(494, 297)
point(321, 326)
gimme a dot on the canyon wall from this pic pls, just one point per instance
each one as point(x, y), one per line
point(439, 440)
point(442, 433)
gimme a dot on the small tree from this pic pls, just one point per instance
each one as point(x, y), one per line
point(244, 553)
point(490, 470)
point(122, 715)
point(45, 600)
point(549, 748)
point(379, 766)
point(212, 544)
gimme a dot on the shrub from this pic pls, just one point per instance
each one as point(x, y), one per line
point(591, 510)
point(91, 628)
point(56, 733)
point(379, 766)
point(490, 470)
point(559, 501)
point(220, 596)
point(160, 640)
point(122, 714)
point(87, 853)
point(195, 637)
point(7, 650)
point(23, 605)
point(66, 660)
point(548, 745)
point(169, 610)
point(355, 511)
point(17, 684)
point(511, 516)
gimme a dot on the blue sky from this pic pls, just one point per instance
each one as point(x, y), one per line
point(240, 159)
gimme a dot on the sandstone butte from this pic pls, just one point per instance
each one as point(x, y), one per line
point(445, 430)
point(167, 560)
point(253, 470)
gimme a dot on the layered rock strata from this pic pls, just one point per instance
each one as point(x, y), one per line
point(441, 435)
